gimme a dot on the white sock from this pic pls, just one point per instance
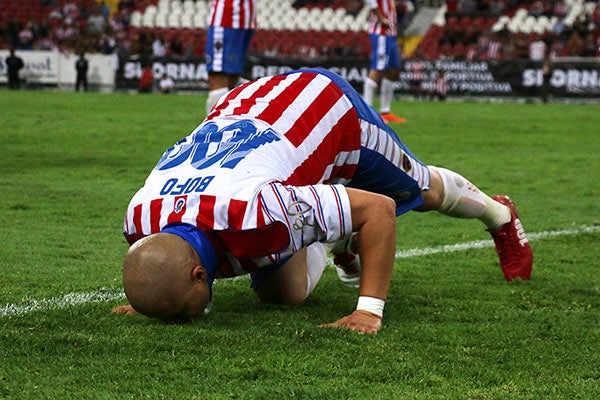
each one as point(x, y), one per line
point(316, 259)
point(369, 89)
point(462, 199)
point(213, 97)
point(387, 94)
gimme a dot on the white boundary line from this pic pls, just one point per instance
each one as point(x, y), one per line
point(110, 294)
point(478, 244)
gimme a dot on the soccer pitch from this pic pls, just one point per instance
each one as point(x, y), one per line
point(452, 329)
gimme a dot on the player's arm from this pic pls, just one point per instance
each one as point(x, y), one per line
point(374, 218)
point(378, 13)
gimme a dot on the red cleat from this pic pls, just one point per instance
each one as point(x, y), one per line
point(389, 117)
point(512, 245)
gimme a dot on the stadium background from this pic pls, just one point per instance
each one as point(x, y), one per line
point(482, 46)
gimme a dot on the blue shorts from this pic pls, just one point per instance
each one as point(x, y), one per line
point(402, 179)
point(226, 49)
point(384, 52)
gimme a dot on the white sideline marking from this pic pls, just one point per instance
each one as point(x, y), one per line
point(478, 244)
point(53, 303)
point(110, 294)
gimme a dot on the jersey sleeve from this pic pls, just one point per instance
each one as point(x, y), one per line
point(314, 213)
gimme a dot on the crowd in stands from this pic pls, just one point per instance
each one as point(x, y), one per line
point(480, 30)
point(471, 29)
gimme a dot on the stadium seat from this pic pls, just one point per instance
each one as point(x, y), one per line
point(174, 21)
point(161, 20)
point(187, 21)
point(163, 5)
point(136, 19)
point(200, 20)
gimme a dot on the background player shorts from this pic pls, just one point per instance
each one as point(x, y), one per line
point(384, 52)
point(226, 49)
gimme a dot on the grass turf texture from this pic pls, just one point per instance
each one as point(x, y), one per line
point(453, 328)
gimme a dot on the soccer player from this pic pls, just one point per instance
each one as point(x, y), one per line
point(231, 27)
point(385, 57)
point(280, 166)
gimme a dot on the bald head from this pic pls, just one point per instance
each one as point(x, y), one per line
point(163, 278)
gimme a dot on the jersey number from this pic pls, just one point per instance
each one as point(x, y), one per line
point(210, 145)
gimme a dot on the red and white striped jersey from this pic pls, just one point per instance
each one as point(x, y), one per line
point(441, 85)
point(388, 10)
point(263, 174)
point(237, 14)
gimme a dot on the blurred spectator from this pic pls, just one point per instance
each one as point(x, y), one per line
point(466, 7)
point(522, 46)
point(575, 44)
point(175, 47)
point(560, 9)
point(494, 48)
point(589, 46)
point(96, 23)
point(451, 8)
point(14, 64)
point(26, 37)
point(104, 10)
point(165, 84)
point(105, 44)
point(126, 5)
point(537, 48)
point(417, 70)
point(440, 89)
point(404, 11)
point(81, 67)
point(158, 47)
point(146, 79)
point(537, 8)
point(497, 8)
point(546, 75)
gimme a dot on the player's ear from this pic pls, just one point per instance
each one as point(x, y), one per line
point(198, 273)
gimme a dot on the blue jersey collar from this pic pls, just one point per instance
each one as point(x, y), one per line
point(200, 242)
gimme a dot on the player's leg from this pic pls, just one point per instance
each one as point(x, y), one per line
point(226, 51)
point(453, 195)
point(388, 167)
point(217, 87)
point(377, 68)
point(392, 70)
point(293, 282)
point(370, 86)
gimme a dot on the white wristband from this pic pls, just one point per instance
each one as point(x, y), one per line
point(371, 304)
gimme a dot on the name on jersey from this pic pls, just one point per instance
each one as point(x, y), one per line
point(176, 187)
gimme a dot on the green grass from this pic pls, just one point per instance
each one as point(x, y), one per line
point(453, 328)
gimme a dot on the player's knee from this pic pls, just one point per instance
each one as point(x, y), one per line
point(292, 295)
point(434, 196)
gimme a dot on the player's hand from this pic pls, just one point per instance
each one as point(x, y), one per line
point(126, 310)
point(359, 321)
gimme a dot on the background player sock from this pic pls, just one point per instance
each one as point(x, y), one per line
point(369, 89)
point(214, 96)
point(387, 94)
point(462, 199)
point(316, 259)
